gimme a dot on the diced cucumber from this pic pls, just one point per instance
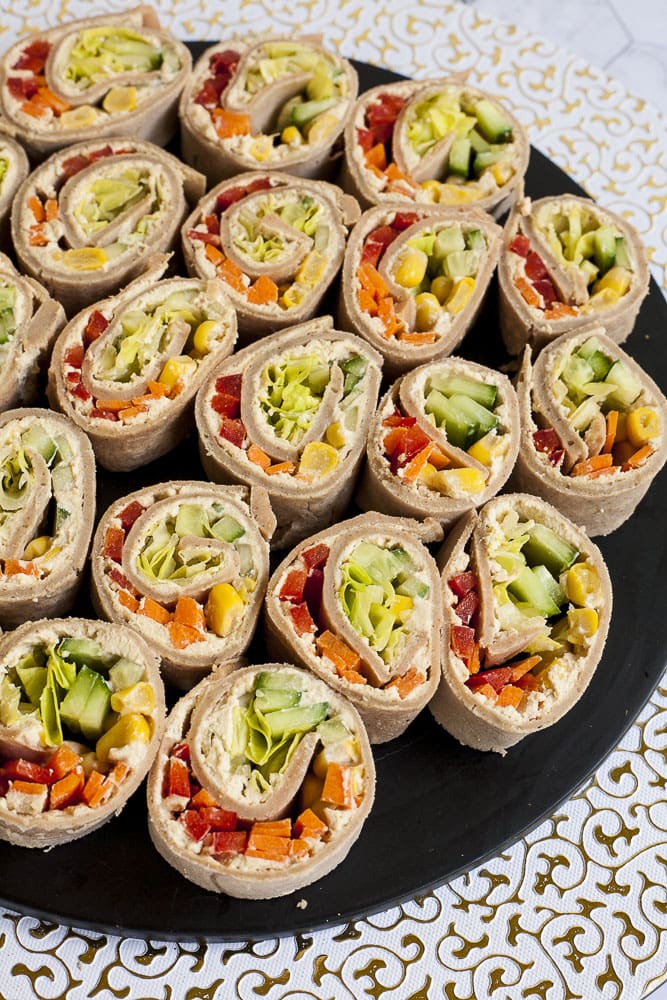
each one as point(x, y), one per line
point(302, 114)
point(411, 586)
point(287, 721)
point(96, 710)
point(551, 585)
point(484, 160)
point(529, 588)
point(61, 516)
point(48, 709)
point(448, 240)
point(272, 699)
point(464, 419)
point(125, 673)
point(478, 143)
point(227, 529)
point(191, 520)
point(278, 680)
point(459, 158)
point(491, 122)
point(600, 364)
point(318, 379)
point(74, 702)
point(627, 387)
point(588, 348)
point(333, 731)
point(33, 680)
point(84, 652)
point(584, 413)
point(475, 240)
point(622, 258)
point(285, 114)
point(589, 269)
point(576, 373)
point(37, 438)
point(450, 385)
point(462, 263)
point(545, 548)
point(604, 248)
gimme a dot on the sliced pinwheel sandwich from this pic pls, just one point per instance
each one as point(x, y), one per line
point(443, 440)
point(81, 717)
point(359, 605)
point(277, 243)
point(47, 506)
point(291, 414)
point(437, 141)
point(262, 782)
point(414, 280)
point(115, 74)
point(30, 321)
point(527, 602)
point(14, 169)
point(275, 103)
point(593, 429)
point(186, 565)
point(127, 369)
point(87, 220)
point(567, 263)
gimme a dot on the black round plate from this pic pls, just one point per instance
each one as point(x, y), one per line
point(440, 808)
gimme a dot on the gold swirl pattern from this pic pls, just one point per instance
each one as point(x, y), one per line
point(578, 907)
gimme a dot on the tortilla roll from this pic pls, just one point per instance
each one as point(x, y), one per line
point(359, 605)
point(186, 565)
point(116, 74)
point(291, 414)
point(268, 104)
point(438, 141)
point(47, 499)
point(266, 820)
point(127, 369)
point(14, 168)
point(443, 440)
point(593, 429)
point(566, 263)
point(89, 724)
point(527, 602)
point(277, 243)
point(30, 321)
point(414, 280)
point(87, 220)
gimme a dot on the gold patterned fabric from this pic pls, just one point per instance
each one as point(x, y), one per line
point(578, 908)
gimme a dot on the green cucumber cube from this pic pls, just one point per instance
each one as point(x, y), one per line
point(125, 673)
point(627, 387)
point(528, 588)
point(459, 158)
point(302, 719)
point(450, 385)
point(604, 248)
point(492, 123)
point(545, 548)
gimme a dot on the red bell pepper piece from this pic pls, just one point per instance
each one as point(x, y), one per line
point(177, 779)
point(403, 220)
point(535, 269)
point(229, 385)
point(219, 819)
point(79, 390)
point(497, 677)
point(74, 164)
point(301, 618)
point(520, 245)
point(467, 606)
point(207, 237)
point(113, 544)
point(312, 592)
point(227, 842)
point(462, 583)
point(232, 431)
point(366, 139)
point(27, 770)
point(546, 290)
point(316, 557)
point(181, 751)
point(74, 356)
point(193, 822)
point(226, 406)
point(462, 641)
point(129, 515)
point(292, 588)
point(96, 325)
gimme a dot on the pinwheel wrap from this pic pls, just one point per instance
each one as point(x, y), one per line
point(593, 462)
point(510, 668)
point(414, 280)
point(88, 220)
point(14, 169)
point(566, 263)
point(47, 505)
point(185, 564)
point(435, 141)
point(30, 320)
point(414, 468)
point(127, 369)
point(291, 414)
point(277, 243)
point(92, 719)
point(115, 74)
point(275, 811)
point(359, 605)
point(274, 103)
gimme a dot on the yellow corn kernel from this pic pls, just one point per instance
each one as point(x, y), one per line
point(37, 547)
point(457, 482)
point(501, 172)
point(312, 268)
point(484, 449)
point(432, 190)
point(441, 287)
point(120, 99)
point(336, 435)
point(582, 624)
point(203, 334)
point(401, 607)
point(291, 136)
point(357, 780)
point(311, 792)
point(136, 698)
point(321, 127)
point(428, 311)
point(81, 117)
point(426, 475)
point(617, 279)
point(130, 728)
point(261, 148)
point(320, 765)
point(411, 269)
point(643, 424)
point(85, 258)
point(175, 368)
point(224, 609)
point(460, 295)
point(318, 459)
point(582, 584)
point(456, 194)
point(291, 297)
point(249, 583)
point(52, 553)
point(604, 299)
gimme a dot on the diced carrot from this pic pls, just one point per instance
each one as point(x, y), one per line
point(93, 790)
point(119, 773)
point(270, 848)
point(474, 663)
point(438, 458)
point(189, 612)
point(352, 677)
point(416, 464)
point(14, 566)
point(151, 609)
point(37, 237)
point(258, 456)
point(366, 302)
point(371, 279)
point(183, 635)
point(51, 209)
point(528, 293)
point(337, 651)
point(560, 309)
point(612, 427)
point(177, 388)
point(308, 824)
point(416, 339)
point(376, 156)
point(128, 601)
point(111, 404)
point(592, 465)
point(407, 682)
point(37, 208)
point(638, 458)
point(606, 471)
point(510, 695)
point(158, 389)
point(34, 110)
point(29, 787)
point(262, 292)
point(46, 98)
point(273, 470)
point(66, 791)
point(487, 690)
point(299, 848)
point(214, 255)
point(392, 173)
point(204, 800)
point(337, 789)
point(131, 411)
point(387, 313)
point(523, 666)
point(622, 451)
point(272, 828)
point(64, 760)
point(143, 401)
point(232, 274)
point(229, 123)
